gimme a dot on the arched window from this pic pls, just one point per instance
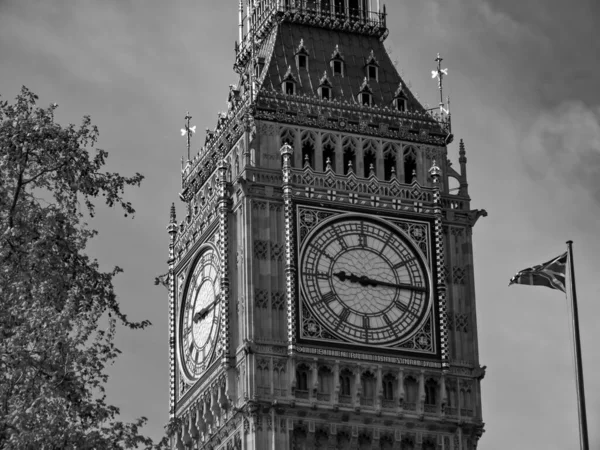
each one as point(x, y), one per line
point(308, 148)
point(325, 383)
point(368, 388)
point(325, 7)
point(411, 388)
point(431, 388)
point(451, 407)
point(389, 161)
point(329, 157)
point(346, 383)
point(302, 378)
point(340, 9)
point(370, 158)
point(410, 164)
point(354, 10)
point(349, 148)
point(388, 383)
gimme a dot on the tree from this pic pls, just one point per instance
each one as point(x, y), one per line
point(58, 311)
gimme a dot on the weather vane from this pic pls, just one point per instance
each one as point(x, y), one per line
point(188, 131)
point(440, 73)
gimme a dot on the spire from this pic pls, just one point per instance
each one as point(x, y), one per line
point(439, 73)
point(187, 131)
point(173, 215)
point(172, 227)
point(462, 154)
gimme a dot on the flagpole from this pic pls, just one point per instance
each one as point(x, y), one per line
point(583, 433)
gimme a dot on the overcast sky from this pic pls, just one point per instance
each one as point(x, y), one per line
point(523, 82)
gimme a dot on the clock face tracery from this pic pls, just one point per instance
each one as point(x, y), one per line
point(363, 281)
point(200, 313)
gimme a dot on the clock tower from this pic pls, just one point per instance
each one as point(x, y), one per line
point(321, 282)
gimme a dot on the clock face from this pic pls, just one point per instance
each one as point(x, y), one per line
point(199, 320)
point(363, 281)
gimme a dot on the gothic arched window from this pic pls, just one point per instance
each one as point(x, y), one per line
point(370, 158)
point(388, 387)
point(389, 161)
point(410, 164)
point(302, 378)
point(431, 388)
point(349, 148)
point(368, 388)
point(411, 389)
point(346, 382)
point(308, 148)
point(325, 383)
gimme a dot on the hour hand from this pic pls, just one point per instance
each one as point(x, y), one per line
point(363, 281)
point(203, 313)
point(366, 281)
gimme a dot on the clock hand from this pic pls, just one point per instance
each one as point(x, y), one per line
point(366, 281)
point(203, 312)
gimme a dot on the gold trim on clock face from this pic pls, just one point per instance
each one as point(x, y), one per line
point(200, 313)
point(363, 281)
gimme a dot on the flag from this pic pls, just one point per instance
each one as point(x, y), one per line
point(550, 274)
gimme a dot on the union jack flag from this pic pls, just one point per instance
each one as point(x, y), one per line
point(550, 274)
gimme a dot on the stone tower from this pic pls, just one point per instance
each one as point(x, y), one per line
point(321, 274)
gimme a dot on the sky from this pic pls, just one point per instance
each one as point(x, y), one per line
point(523, 84)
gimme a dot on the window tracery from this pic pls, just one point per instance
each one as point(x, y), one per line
point(328, 143)
point(349, 148)
point(369, 157)
point(308, 148)
point(410, 164)
point(389, 161)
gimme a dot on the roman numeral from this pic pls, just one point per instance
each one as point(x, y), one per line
point(403, 263)
point(402, 307)
point(318, 275)
point(342, 318)
point(390, 324)
point(366, 322)
point(329, 297)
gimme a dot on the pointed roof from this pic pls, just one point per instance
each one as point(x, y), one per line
point(354, 49)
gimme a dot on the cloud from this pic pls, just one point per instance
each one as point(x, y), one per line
point(563, 145)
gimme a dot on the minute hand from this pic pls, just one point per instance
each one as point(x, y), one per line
point(366, 281)
point(397, 285)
